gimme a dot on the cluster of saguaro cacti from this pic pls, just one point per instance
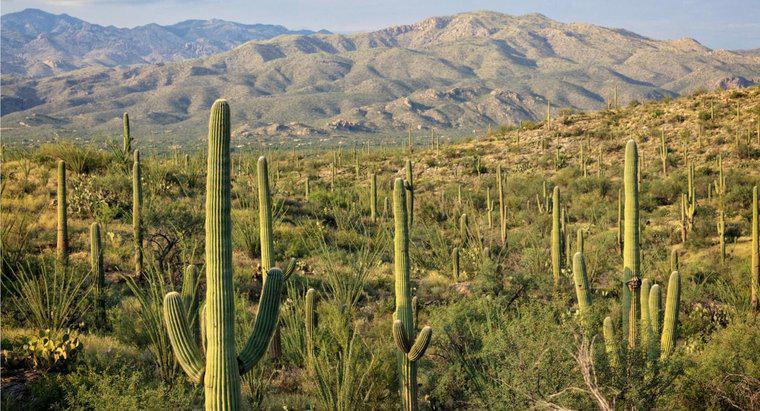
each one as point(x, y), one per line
point(411, 345)
point(222, 369)
point(137, 201)
point(63, 226)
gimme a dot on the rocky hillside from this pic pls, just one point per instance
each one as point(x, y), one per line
point(459, 73)
point(36, 43)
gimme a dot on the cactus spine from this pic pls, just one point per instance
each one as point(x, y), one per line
point(631, 253)
point(96, 268)
point(222, 369)
point(403, 325)
point(556, 237)
point(670, 322)
point(373, 197)
point(127, 136)
point(755, 264)
point(61, 208)
point(137, 201)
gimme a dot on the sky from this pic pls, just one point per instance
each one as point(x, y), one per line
point(730, 24)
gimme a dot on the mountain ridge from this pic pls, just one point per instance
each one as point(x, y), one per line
point(37, 43)
point(459, 73)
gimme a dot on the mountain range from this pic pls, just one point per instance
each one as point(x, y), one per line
point(455, 73)
point(37, 43)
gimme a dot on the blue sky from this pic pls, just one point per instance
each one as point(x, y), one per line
point(731, 24)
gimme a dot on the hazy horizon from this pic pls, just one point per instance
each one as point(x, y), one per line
point(714, 25)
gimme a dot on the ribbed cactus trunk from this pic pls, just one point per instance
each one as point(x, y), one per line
point(611, 343)
point(631, 253)
point(266, 237)
point(403, 326)
point(755, 263)
point(62, 242)
point(582, 291)
point(97, 271)
point(222, 369)
point(670, 321)
point(556, 238)
point(222, 380)
point(655, 301)
point(373, 197)
point(644, 322)
point(620, 222)
point(127, 136)
point(579, 241)
point(455, 262)
point(137, 201)
point(409, 191)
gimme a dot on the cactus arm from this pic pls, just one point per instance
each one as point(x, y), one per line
point(654, 322)
point(289, 269)
point(644, 324)
point(185, 348)
point(670, 322)
point(417, 350)
point(310, 323)
point(610, 342)
point(400, 337)
point(266, 321)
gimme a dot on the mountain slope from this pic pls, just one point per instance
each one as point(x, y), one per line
point(457, 72)
point(36, 43)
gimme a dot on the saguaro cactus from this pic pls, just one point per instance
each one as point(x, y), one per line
point(655, 299)
point(373, 197)
point(96, 268)
point(556, 237)
point(631, 253)
point(581, 285)
point(222, 369)
point(137, 200)
point(755, 264)
point(610, 342)
point(127, 136)
point(721, 225)
point(664, 154)
point(464, 230)
point(403, 324)
point(644, 303)
point(502, 204)
point(455, 262)
point(670, 322)
point(63, 225)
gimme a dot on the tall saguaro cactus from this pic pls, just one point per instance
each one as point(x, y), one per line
point(403, 324)
point(265, 217)
point(581, 285)
point(127, 136)
point(556, 237)
point(755, 264)
point(137, 201)
point(309, 324)
point(664, 154)
point(222, 368)
point(61, 208)
point(502, 205)
point(631, 253)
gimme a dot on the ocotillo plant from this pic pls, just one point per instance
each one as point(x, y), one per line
point(63, 225)
point(127, 136)
point(137, 201)
point(409, 191)
point(670, 322)
point(403, 322)
point(663, 154)
point(556, 237)
point(96, 268)
point(755, 263)
point(721, 225)
point(309, 324)
point(631, 253)
point(222, 368)
point(502, 204)
point(373, 197)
